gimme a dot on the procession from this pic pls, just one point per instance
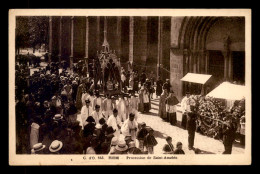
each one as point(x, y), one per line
point(100, 105)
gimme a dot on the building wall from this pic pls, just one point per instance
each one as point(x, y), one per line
point(233, 27)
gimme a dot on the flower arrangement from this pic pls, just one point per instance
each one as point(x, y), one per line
point(212, 113)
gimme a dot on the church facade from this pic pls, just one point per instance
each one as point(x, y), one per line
point(167, 46)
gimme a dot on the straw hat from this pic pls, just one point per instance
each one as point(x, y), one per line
point(55, 146)
point(131, 144)
point(37, 147)
point(121, 146)
point(114, 141)
point(98, 126)
point(57, 117)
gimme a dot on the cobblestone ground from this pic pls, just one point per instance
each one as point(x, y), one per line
point(163, 129)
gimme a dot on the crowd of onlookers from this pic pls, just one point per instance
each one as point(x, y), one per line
point(62, 112)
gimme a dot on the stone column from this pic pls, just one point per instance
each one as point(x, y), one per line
point(230, 68)
point(71, 42)
point(186, 67)
point(118, 33)
point(159, 55)
point(60, 36)
point(98, 33)
point(50, 38)
point(194, 62)
point(206, 62)
point(202, 61)
point(176, 69)
point(190, 61)
point(198, 57)
point(131, 39)
point(86, 43)
point(226, 64)
point(140, 41)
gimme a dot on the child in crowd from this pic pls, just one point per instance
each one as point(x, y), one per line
point(141, 134)
point(179, 149)
point(168, 148)
point(150, 141)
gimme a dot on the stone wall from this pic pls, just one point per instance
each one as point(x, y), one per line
point(176, 68)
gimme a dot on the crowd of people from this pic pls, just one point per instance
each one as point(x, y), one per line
point(59, 112)
point(64, 112)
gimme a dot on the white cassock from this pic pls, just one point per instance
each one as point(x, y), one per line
point(133, 104)
point(85, 112)
point(121, 107)
point(97, 116)
point(184, 104)
point(127, 108)
point(128, 129)
point(98, 101)
point(84, 98)
point(108, 107)
point(91, 98)
point(113, 122)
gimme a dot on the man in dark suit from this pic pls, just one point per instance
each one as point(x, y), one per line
point(229, 132)
point(191, 127)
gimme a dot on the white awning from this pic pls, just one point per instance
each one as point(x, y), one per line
point(196, 78)
point(229, 91)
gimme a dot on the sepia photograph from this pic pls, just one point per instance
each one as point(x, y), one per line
point(129, 87)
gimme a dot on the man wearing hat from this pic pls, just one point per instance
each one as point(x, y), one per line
point(115, 122)
point(121, 147)
point(55, 147)
point(97, 115)
point(129, 127)
point(86, 111)
point(37, 148)
point(191, 127)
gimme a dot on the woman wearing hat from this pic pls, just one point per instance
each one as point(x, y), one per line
point(146, 100)
point(79, 96)
point(34, 134)
point(141, 100)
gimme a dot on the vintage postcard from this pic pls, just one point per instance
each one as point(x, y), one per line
point(129, 87)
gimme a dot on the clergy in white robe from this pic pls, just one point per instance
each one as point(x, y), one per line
point(129, 128)
point(133, 105)
point(97, 114)
point(108, 106)
point(85, 112)
point(98, 101)
point(84, 98)
point(115, 122)
point(121, 107)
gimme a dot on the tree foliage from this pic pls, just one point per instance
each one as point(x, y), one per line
point(31, 31)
